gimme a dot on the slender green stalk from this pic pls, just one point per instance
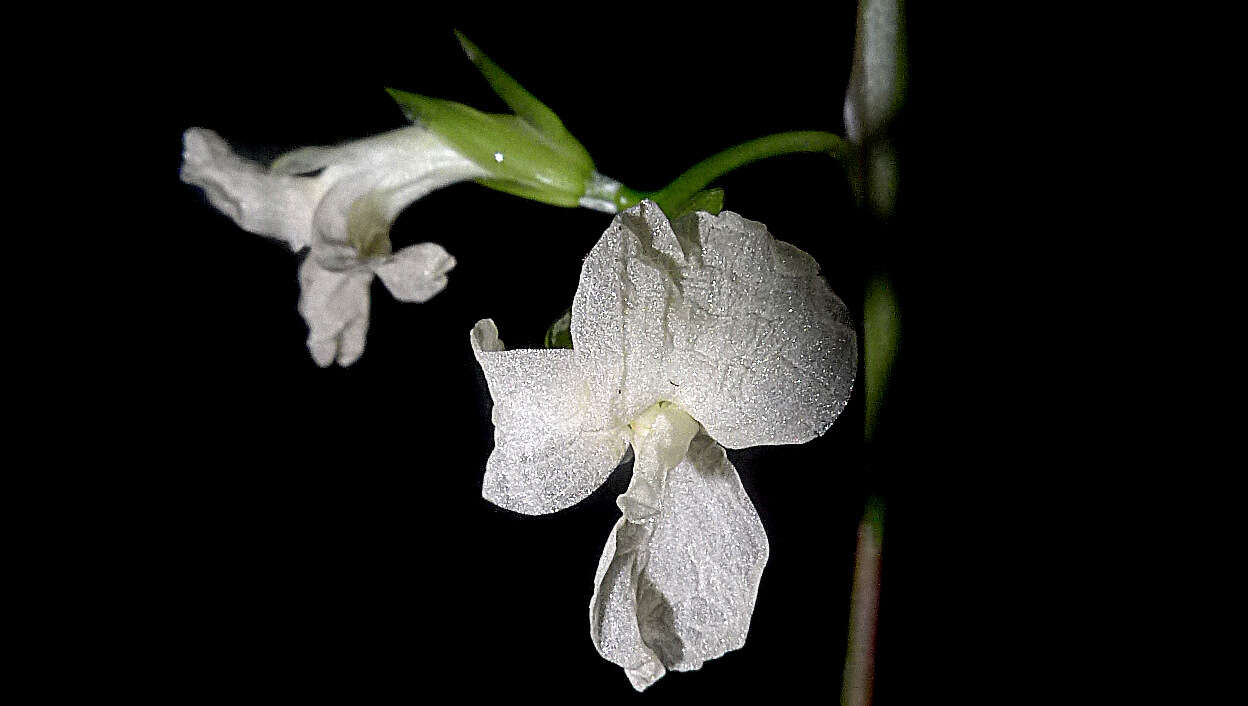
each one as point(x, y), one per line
point(881, 322)
point(858, 686)
point(703, 173)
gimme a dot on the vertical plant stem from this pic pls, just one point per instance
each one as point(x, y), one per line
point(859, 679)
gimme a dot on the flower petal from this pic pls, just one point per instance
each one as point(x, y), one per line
point(762, 351)
point(547, 456)
point(661, 437)
point(712, 313)
point(613, 624)
point(674, 592)
point(335, 306)
point(373, 180)
point(618, 314)
point(416, 273)
point(259, 202)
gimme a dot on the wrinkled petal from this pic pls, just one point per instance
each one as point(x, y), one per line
point(546, 455)
point(660, 441)
point(677, 590)
point(416, 273)
point(762, 351)
point(276, 206)
point(335, 307)
point(628, 284)
point(613, 624)
point(714, 314)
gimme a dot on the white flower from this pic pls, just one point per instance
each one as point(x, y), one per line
point(343, 214)
point(684, 334)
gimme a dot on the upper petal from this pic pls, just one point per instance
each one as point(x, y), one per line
point(335, 306)
point(258, 201)
point(416, 273)
point(628, 284)
point(548, 454)
point(712, 313)
point(762, 351)
point(674, 592)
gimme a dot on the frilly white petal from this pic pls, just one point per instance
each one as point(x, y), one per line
point(673, 592)
point(276, 206)
point(763, 351)
point(712, 313)
point(619, 312)
point(335, 306)
point(613, 624)
point(545, 457)
point(416, 273)
point(661, 437)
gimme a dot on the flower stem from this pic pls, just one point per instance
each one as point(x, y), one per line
point(859, 679)
point(703, 173)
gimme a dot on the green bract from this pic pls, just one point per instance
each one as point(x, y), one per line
point(559, 335)
point(711, 201)
point(528, 154)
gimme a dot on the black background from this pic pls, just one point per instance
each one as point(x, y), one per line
point(321, 532)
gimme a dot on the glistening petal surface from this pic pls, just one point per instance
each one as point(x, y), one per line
point(619, 314)
point(547, 455)
point(713, 313)
point(762, 351)
point(675, 592)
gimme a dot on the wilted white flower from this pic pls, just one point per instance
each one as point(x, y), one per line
point(686, 335)
point(339, 202)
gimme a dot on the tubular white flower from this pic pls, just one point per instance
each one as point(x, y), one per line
point(684, 334)
point(343, 214)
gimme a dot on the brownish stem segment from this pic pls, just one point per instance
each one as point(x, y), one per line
point(859, 679)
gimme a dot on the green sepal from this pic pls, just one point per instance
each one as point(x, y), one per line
point(711, 201)
point(559, 335)
point(526, 191)
point(527, 107)
point(540, 168)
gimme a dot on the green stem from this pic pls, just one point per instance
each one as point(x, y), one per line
point(703, 173)
point(858, 683)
